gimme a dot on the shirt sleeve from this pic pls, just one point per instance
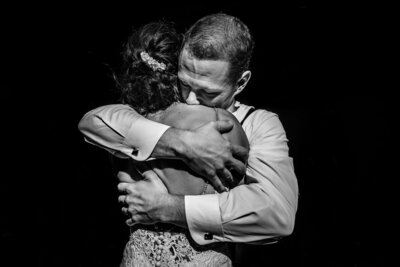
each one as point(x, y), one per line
point(263, 209)
point(122, 131)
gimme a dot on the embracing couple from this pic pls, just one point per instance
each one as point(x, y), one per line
point(198, 170)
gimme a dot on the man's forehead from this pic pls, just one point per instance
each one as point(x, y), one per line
point(201, 67)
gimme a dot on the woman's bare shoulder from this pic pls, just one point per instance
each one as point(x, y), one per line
point(189, 116)
point(197, 115)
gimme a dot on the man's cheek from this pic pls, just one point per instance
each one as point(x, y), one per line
point(215, 103)
point(206, 102)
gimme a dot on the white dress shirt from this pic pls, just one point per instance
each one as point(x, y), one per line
point(116, 129)
point(260, 211)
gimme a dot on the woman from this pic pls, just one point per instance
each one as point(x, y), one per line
point(148, 83)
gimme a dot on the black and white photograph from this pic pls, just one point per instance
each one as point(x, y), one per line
point(197, 134)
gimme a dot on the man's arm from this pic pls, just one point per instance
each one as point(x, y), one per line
point(112, 127)
point(260, 211)
point(122, 131)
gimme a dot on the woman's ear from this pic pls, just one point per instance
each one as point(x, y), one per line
point(242, 82)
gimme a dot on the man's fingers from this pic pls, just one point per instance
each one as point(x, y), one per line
point(124, 177)
point(226, 176)
point(155, 181)
point(122, 199)
point(240, 152)
point(130, 222)
point(217, 184)
point(149, 174)
point(125, 211)
point(224, 126)
point(129, 210)
point(238, 167)
point(138, 218)
point(124, 187)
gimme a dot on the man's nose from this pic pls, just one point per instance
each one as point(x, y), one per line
point(192, 99)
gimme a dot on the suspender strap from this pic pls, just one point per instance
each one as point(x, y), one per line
point(251, 110)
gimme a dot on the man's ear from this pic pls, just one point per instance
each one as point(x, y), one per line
point(242, 82)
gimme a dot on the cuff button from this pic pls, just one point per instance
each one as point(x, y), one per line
point(208, 236)
point(135, 152)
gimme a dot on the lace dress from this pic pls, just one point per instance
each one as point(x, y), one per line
point(164, 245)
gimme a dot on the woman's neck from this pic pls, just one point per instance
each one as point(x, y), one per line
point(158, 115)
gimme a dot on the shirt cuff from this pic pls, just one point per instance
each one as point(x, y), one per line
point(145, 134)
point(203, 217)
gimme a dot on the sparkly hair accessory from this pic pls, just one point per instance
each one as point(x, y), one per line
point(151, 62)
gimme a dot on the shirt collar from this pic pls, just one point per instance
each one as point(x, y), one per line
point(241, 110)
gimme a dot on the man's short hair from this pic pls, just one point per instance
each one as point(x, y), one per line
point(221, 37)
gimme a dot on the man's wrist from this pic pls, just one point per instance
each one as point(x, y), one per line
point(170, 144)
point(172, 210)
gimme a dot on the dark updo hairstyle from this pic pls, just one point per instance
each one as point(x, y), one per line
point(144, 89)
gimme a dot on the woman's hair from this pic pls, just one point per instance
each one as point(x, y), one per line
point(148, 77)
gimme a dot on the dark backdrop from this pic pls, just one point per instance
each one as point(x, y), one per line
point(314, 64)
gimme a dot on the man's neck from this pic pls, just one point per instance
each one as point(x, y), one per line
point(232, 108)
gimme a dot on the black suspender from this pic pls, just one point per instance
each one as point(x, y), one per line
point(251, 110)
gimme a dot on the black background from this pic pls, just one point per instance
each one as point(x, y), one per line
point(317, 65)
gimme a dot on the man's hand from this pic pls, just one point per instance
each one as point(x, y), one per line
point(210, 155)
point(149, 202)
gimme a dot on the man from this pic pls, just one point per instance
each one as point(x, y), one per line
point(213, 70)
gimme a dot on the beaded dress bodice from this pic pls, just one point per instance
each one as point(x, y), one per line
point(171, 246)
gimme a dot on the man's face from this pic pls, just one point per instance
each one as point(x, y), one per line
point(205, 82)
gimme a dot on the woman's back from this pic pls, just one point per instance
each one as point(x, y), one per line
point(177, 177)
